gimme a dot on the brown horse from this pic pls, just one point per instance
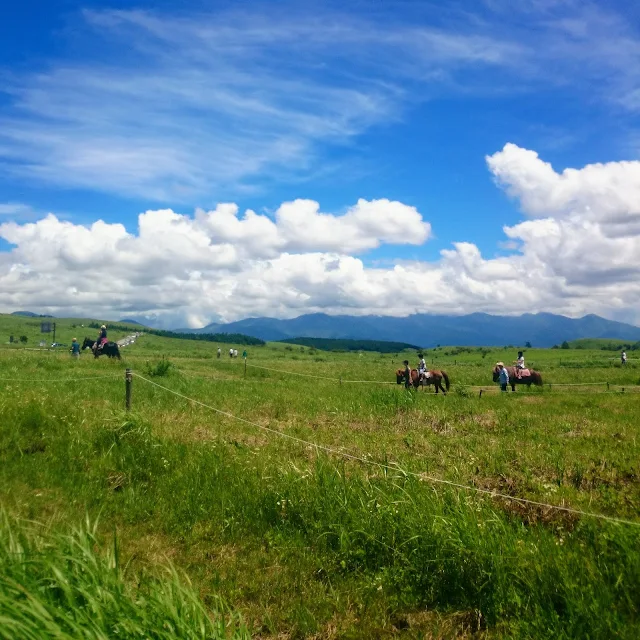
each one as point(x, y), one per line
point(534, 377)
point(435, 378)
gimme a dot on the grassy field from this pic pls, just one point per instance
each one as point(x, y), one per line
point(180, 520)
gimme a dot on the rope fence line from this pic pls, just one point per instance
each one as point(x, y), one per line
point(484, 388)
point(112, 376)
point(387, 467)
point(309, 375)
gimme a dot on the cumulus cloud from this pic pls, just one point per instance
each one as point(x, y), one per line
point(607, 194)
point(223, 265)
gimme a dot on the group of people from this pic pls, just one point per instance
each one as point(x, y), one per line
point(99, 343)
point(233, 353)
point(423, 372)
point(503, 375)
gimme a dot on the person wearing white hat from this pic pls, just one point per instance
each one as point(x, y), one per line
point(102, 338)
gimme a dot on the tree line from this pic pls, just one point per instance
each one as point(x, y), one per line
point(227, 338)
point(345, 344)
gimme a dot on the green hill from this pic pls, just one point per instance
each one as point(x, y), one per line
point(604, 344)
point(337, 344)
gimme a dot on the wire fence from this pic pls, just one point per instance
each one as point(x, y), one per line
point(391, 467)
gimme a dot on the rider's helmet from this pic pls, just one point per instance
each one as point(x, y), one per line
point(519, 353)
point(406, 362)
point(420, 355)
point(103, 326)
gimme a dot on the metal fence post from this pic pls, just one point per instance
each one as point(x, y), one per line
point(128, 377)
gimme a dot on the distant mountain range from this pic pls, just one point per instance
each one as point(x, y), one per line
point(31, 314)
point(426, 330)
point(476, 329)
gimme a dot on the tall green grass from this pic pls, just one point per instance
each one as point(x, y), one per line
point(307, 545)
point(58, 587)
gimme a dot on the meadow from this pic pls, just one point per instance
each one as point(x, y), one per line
point(314, 507)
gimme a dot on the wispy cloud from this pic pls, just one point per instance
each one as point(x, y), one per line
point(17, 211)
point(173, 108)
point(180, 107)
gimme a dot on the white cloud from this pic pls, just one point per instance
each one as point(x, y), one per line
point(608, 194)
point(219, 264)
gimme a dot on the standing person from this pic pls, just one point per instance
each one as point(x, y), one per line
point(244, 354)
point(623, 358)
point(231, 353)
point(407, 374)
point(504, 376)
point(219, 352)
point(75, 349)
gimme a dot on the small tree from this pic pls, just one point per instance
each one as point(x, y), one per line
point(24, 339)
point(527, 345)
point(564, 345)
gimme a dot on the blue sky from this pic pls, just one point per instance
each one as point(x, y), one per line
point(111, 109)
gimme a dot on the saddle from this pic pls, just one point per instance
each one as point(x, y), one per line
point(523, 373)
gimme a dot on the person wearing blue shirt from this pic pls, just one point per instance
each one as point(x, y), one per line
point(75, 348)
point(504, 376)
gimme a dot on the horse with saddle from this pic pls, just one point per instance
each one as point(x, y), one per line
point(519, 376)
point(425, 378)
point(104, 348)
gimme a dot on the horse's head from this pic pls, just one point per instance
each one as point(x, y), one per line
point(88, 342)
point(496, 373)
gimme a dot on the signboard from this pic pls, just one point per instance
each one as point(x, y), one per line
point(45, 327)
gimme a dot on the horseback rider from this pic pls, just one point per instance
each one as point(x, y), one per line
point(102, 338)
point(519, 363)
point(422, 367)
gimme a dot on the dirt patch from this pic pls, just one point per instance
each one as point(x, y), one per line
point(529, 514)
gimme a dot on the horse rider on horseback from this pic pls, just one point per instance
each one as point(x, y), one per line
point(102, 338)
point(519, 363)
point(422, 367)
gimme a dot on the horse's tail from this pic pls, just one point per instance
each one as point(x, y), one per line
point(537, 378)
point(446, 379)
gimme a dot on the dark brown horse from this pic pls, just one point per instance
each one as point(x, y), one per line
point(534, 377)
point(109, 349)
point(435, 378)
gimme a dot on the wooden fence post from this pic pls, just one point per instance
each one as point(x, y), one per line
point(340, 380)
point(245, 367)
point(607, 386)
point(128, 377)
point(480, 396)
